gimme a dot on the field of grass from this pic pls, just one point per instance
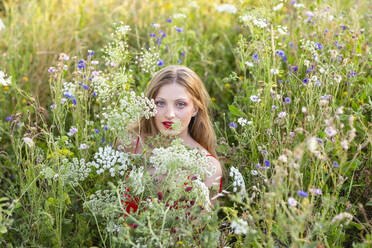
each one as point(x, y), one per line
point(291, 102)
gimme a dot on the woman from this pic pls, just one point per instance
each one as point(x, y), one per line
point(181, 100)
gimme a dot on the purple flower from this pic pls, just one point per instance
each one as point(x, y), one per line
point(255, 56)
point(325, 97)
point(105, 128)
point(280, 53)
point(302, 193)
point(295, 68)
point(352, 74)
point(52, 69)
point(9, 118)
point(160, 62)
point(315, 191)
point(318, 46)
point(94, 94)
point(96, 130)
point(103, 140)
point(335, 164)
point(161, 32)
point(179, 61)
point(74, 101)
point(306, 80)
point(53, 106)
point(233, 125)
point(326, 30)
point(267, 163)
point(183, 53)
point(169, 20)
point(158, 41)
point(90, 53)
point(274, 107)
point(85, 87)
point(319, 140)
point(290, 44)
point(287, 100)
point(81, 64)
point(68, 95)
point(343, 27)
point(152, 35)
point(179, 30)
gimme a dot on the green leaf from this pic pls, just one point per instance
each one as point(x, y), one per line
point(235, 111)
point(3, 229)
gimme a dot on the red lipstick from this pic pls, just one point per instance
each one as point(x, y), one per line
point(167, 124)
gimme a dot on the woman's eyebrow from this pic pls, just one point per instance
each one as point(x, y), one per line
point(178, 99)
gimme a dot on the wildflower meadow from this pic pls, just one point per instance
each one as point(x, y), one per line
point(291, 102)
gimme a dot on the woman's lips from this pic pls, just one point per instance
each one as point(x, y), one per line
point(167, 124)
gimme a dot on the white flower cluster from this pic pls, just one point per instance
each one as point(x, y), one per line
point(239, 226)
point(116, 52)
point(238, 180)
point(228, 8)
point(179, 16)
point(202, 192)
point(3, 80)
point(135, 179)
point(342, 216)
point(108, 159)
point(130, 109)
point(69, 88)
point(309, 45)
point(148, 60)
point(102, 203)
point(178, 161)
point(75, 171)
point(282, 30)
point(257, 21)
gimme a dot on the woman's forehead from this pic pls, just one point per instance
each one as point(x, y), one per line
point(173, 91)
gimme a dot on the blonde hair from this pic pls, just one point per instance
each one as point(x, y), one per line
point(200, 126)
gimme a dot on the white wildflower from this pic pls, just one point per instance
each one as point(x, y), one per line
point(255, 98)
point(75, 171)
point(298, 5)
point(283, 158)
point(4, 81)
point(340, 217)
point(28, 141)
point(179, 16)
point(282, 115)
point(108, 159)
point(303, 109)
point(278, 7)
point(274, 71)
point(63, 57)
point(228, 8)
point(2, 26)
point(292, 202)
point(83, 146)
point(345, 144)
point(148, 60)
point(135, 177)
point(242, 121)
point(282, 30)
point(72, 131)
point(315, 191)
point(238, 180)
point(249, 64)
point(330, 131)
point(312, 144)
point(239, 226)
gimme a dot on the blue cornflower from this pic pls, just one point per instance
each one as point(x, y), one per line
point(326, 30)
point(343, 27)
point(179, 30)
point(105, 128)
point(274, 107)
point(74, 101)
point(103, 140)
point(306, 80)
point(90, 53)
point(352, 74)
point(94, 94)
point(295, 68)
point(9, 118)
point(179, 61)
point(287, 100)
point(158, 41)
point(96, 130)
point(81, 64)
point(280, 53)
point(85, 87)
point(160, 62)
point(233, 125)
point(335, 164)
point(319, 140)
point(183, 53)
point(68, 95)
point(302, 193)
point(161, 32)
point(318, 46)
point(152, 35)
point(290, 44)
point(169, 20)
point(255, 56)
point(267, 163)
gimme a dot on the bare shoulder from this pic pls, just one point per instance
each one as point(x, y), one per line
point(216, 169)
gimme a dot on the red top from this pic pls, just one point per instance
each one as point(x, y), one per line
point(208, 155)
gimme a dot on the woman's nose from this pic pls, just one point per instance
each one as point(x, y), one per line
point(170, 112)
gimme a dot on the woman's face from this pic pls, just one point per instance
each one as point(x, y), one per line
point(175, 108)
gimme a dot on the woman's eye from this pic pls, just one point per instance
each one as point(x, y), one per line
point(159, 103)
point(181, 104)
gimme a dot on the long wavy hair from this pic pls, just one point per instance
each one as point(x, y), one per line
point(200, 127)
